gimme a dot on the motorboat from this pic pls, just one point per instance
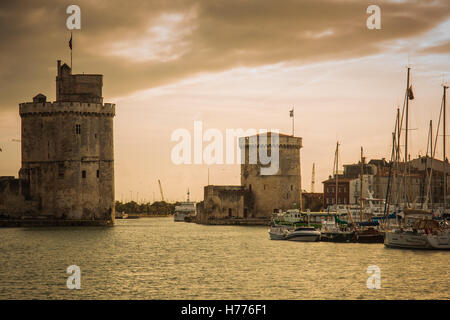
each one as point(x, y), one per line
point(305, 234)
point(279, 232)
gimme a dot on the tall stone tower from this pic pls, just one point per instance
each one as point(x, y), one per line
point(67, 151)
point(269, 193)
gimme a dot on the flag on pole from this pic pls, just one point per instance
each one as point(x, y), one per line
point(70, 41)
point(410, 93)
point(291, 113)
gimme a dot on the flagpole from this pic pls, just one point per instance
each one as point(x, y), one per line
point(71, 46)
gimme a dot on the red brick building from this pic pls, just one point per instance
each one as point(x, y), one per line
point(329, 191)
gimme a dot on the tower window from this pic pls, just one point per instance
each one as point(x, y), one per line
point(78, 129)
point(83, 174)
point(292, 187)
point(98, 173)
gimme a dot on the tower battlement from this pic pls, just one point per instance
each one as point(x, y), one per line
point(61, 108)
point(78, 87)
point(284, 141)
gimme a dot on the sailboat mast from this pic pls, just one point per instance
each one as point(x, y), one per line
point(397, 159)
point(337, 172)
point(425, 199)
point(444, 158)
point(429, 196)
point(361, 186)
point(406, 137)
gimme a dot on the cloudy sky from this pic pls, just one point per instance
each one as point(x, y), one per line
point(230, 64)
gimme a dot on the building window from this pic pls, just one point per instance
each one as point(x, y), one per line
point(264, 187)
point(250, 187)
point(98, 173)
point(78, 129)
point(292, 187)
point(83, 174)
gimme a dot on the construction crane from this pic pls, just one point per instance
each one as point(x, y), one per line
point(160, 190)
point(313, 178)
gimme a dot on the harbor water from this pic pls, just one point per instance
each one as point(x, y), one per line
point(156, 258)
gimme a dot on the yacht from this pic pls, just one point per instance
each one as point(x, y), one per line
point(279, 232)
point(290, 217)
point(425, 234)
point(304, 234)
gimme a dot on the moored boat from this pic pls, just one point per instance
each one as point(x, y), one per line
point(369, 235)
point(426, 234)
point(304, 234)
point(278, 232)
point(186, 211)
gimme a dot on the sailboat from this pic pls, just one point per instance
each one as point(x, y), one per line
point(424, 233)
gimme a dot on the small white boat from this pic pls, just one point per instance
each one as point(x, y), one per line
point(184, 210)
point(304, 234)
point(279, 232)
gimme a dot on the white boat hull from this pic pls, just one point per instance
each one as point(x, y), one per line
point(276, 236)
point(278, 232)
point(303, 238)
point(285, 233)
point(179, 217)
point(407, 240)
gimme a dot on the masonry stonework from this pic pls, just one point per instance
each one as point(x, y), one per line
point(67, 168)
point(259, 195)
point(273, 192)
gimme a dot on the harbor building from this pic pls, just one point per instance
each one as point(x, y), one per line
point(260, 194)
point(375, 181)
point(67, 172)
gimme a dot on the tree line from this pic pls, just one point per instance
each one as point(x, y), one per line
point(157, 207)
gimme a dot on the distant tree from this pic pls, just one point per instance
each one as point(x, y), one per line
point(157, 207)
